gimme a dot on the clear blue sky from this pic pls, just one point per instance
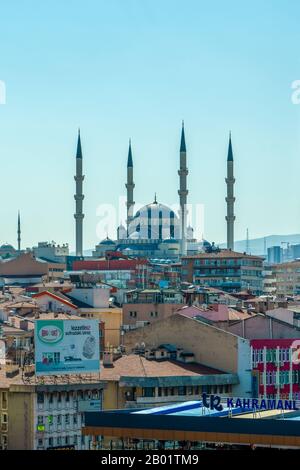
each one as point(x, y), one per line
point(136, 68)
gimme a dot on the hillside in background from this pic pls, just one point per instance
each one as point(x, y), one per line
point(256, 245)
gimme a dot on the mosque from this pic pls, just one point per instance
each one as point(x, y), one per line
point(155, 231)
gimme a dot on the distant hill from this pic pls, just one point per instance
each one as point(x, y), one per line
point(256, 245)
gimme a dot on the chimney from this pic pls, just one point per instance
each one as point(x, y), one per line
point(108, 359)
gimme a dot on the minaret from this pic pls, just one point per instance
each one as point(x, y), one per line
point(79, 198)
point(130, 187)
point(19, 233)
point(230, 180)
point(183, 192)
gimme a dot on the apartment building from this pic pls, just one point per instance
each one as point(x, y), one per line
point(287, 278)
point(225, 269)
point(159, 376)
point(41, 416)
point(144, 306)
point(276, 368)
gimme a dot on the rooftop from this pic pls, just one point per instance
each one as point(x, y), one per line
point(138, 366)
point(222, 254)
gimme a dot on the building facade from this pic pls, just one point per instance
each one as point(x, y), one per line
point(225, 269)
point(276, 368)
point(41, 416)
point(287, 278)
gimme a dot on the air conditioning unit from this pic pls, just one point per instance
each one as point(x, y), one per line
point(140, 324)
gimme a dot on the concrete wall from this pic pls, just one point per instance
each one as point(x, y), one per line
point(112, 318)
point(21, 420)
point(143, 312)
point(261, 327)
point(97, 297)
point(282, 314)
point(25, 264)
point(212, 347)
point(244, 388)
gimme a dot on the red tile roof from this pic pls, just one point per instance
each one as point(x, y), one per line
point(138, 366)
point(222, 254)
point(56, 297)
point(107, 265)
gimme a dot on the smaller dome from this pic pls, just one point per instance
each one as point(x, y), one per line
point(170, 240)
point(7, 247)
point(107, 241)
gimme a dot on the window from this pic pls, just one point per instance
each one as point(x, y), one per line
point(59, 397)
point(74, 419)
point(4, 400)
point(40, 419)
point(58, 419)
point(181, 390)
point(4, 441)
point(148, 392)
point(51, 398)
point(67, 419)
point(75, 440)
point(40, 398)
point(40, 442)
point(59, 441)
point(67, 440)
point(67, 397)
point(50, 441)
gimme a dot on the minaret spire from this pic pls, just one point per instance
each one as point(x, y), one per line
point(79, 199)
point(19, 233)
point(183, 192)
point(230, 199)
point(130, 187)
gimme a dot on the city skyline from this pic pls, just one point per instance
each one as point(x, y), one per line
point(167, 69)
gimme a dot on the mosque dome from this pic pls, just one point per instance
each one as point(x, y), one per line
point(155, 221)
point(6, 246)
point(170, 240)
point(107, 241)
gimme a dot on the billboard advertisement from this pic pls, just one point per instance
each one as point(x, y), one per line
point(66, 347)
